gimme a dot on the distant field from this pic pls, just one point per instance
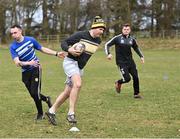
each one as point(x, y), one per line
point(101, 113)
point(145, 43)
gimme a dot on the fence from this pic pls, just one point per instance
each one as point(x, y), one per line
point(141, 34)
point(161, 34)
point(52, 38)
point(53, 41)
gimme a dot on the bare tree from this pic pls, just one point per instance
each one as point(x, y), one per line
point(67, 16)
point(2, 21)
point(29, 8)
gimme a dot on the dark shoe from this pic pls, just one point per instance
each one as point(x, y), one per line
point(71, 118)
point(138, 96)
point(52, 118)
point(39, 117)
point(118, 87)
point(48, 101)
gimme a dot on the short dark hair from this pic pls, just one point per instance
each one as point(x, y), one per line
point(126, 25)
point(16, 26)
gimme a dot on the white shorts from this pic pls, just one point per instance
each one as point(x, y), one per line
point(71, 68)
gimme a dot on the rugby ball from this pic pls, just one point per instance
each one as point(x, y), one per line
point(79, 47)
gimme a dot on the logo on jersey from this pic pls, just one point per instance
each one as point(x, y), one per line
point(122, 41)
point(30, 46)
point(36, 79)
point(122, 71)
point(130, 42)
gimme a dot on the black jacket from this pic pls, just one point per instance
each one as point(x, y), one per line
point(123, 46)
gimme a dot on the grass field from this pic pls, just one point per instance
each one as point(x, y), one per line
point(101, 113)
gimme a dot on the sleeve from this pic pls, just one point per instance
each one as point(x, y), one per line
point(108, 45)
point(65, 44)
point(136, 48)
point(36, 44)
point(13, 53)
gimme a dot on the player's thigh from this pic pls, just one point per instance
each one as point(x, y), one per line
point(76, 80)
point(36, 81)
point(124, 70)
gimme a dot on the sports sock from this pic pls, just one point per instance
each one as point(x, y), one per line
point(51, 111)
point(70, 113)
point(43, 97)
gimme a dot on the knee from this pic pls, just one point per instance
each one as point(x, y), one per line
point(35, 96)
point(127, 79)
point(77, 85)
point(32, 94)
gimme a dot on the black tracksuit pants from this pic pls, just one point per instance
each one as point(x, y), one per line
point(32, 81)
point(126, 70)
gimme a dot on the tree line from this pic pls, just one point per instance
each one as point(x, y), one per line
point(68, 16)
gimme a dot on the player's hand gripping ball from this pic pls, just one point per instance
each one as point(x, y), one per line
point(79, 47)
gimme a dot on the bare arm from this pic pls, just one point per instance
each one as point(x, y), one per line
point(25, 63)
point(48, 51)
point(52, 52)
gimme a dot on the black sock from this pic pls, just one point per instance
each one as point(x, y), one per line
point(43, 98)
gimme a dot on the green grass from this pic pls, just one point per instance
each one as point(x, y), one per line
point(101, 113)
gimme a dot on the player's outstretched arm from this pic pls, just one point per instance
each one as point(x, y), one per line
point(52, 52)
point(61, 54)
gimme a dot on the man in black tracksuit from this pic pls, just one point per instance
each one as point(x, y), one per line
point(124, 60)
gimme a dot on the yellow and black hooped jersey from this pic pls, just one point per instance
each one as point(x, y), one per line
point(91, 46)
